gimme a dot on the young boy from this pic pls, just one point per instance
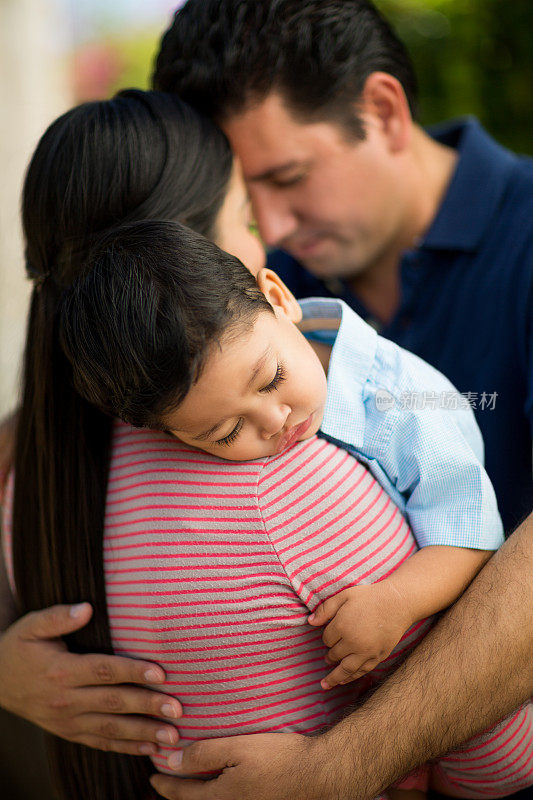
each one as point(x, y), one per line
point(263, 390)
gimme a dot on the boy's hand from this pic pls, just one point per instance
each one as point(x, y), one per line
point(367, 624)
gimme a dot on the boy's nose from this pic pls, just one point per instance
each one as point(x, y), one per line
point(274, 421)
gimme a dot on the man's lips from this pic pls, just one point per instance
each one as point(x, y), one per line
point(293, 434)
point(304, 247)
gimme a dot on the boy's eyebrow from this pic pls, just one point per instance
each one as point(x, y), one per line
point(255, 372)
point(259, 365)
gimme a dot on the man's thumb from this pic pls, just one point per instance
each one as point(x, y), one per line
point(50, 623)
point(201, 758)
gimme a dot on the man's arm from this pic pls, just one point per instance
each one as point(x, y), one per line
point(472, 669)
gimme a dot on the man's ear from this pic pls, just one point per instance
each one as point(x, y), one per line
point(383, 99)
point(278, 295)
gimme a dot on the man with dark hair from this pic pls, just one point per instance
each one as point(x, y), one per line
point(429, 236)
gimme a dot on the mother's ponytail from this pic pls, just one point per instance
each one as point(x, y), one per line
point(61, 464)
point(138, 156)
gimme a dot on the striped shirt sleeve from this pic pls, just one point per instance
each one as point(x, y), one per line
point(330, 522)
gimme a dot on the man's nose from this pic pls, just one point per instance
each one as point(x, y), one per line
point(273, 215)
point(272, 420)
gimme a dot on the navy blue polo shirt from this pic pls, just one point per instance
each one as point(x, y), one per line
point(467, 301)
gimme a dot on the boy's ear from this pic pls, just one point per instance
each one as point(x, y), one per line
point(278, 295)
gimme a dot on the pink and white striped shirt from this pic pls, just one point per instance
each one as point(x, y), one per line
point(212, 568)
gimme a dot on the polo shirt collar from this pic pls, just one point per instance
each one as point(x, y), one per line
point(475, 190)
point(354, 345)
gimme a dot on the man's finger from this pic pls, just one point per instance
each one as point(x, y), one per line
point(181, 788)
point(96, 670)
point(207, 756)
point(125, 700)
point(326, 610)
point(53, 622)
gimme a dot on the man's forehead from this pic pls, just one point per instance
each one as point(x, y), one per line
point(273, 170)
point(269, 139)
point(266, 133)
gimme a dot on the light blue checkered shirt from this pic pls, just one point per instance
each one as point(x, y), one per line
point(410, 426)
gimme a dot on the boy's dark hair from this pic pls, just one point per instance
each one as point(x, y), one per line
point(137, 327)
point(223, 56)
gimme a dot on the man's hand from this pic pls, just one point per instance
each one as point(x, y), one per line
point(267, 766)
point(82, 698)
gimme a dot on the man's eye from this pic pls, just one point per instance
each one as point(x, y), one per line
point(227, 440)
point(278, 378)
point(290, 181)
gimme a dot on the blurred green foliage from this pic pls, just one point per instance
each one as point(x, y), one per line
point(471, 57)
point(137, 54)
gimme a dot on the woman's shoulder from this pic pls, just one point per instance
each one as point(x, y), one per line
point(145, 458)
point(133, 447)
point(329, 520)
point(310, 467)
point(142, 456)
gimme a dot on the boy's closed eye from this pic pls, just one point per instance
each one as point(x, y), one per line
point(227, 440)
point(278, 378)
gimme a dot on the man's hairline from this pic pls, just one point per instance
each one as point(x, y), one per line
point(255, 99)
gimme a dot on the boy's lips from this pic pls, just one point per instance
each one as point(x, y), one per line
point(293, 434)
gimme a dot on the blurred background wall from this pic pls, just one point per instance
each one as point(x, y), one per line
point(53, 54)
point(33, 88)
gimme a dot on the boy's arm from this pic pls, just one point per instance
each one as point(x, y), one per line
point(435, 577)
point(426, 442)
point(365, 623)
point(432, 459)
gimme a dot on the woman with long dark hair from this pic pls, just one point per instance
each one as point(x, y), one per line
point(138, 156)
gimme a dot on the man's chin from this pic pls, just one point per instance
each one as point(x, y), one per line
point(331, 269)
point(328, 259)
point(323, 265)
